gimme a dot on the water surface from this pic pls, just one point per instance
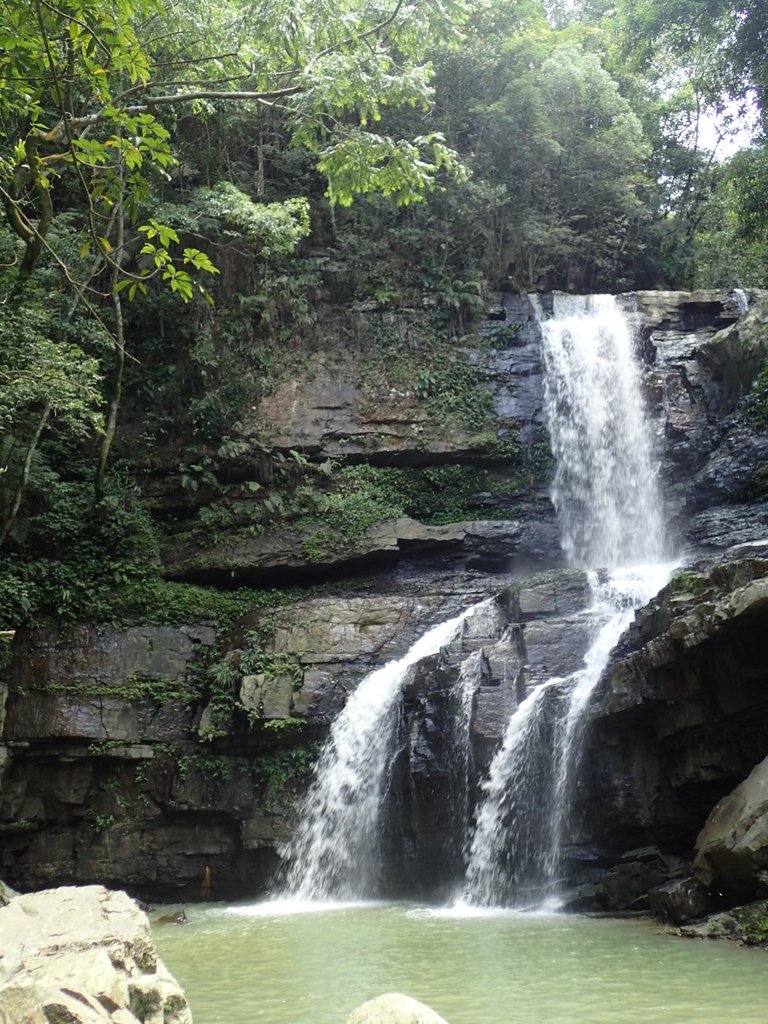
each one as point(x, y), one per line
point(272, 963)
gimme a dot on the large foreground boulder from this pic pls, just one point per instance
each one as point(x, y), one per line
point(394, 1008)
point(83, 956)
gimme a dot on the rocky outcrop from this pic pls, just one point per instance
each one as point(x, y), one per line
point(732, 848)
point(700, 350)
point(680, 718)
point(83, 956)
point(394, 1008)
point(747, 924)
point(454, 713)
point(282, 555)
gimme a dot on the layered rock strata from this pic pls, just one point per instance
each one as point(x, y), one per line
point(115, 767)
point(677, 744)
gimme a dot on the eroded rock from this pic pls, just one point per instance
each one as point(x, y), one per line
point(83, 956)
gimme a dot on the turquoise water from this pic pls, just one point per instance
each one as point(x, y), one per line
point(244, 964)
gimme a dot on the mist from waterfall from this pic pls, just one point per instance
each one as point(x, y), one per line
point(609, 507)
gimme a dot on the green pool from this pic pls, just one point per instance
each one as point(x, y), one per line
point(273, 963)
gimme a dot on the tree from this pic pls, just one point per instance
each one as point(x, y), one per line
point(42, 378)
point(83, 82)
point(87, 94)
point(570, 152)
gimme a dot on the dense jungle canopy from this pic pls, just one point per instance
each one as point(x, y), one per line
point(185, 185)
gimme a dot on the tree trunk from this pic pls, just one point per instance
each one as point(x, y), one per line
point(119, 365)
point(10, 516)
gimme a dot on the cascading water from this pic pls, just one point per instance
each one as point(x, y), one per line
point(608, 504)
point(335, 853)
point(605, 489)
point(470, 675)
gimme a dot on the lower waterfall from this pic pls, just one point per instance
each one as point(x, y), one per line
point(335, 852)
point(515, 854)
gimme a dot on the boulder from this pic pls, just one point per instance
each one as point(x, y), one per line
point(83, 956)
point(626, 885)
point(6, 894)
point(684, 899)
point(394, 1008)
point(733, 845)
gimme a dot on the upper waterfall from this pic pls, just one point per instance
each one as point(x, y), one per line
point(605, 489)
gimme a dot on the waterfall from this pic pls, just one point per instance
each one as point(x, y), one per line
point(608, 504)
point(470, 676)
point(740, 300)
point(506, 846)
point(335, 853)
point(604, 489)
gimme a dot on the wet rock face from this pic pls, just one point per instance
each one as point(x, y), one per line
point(702, 354)
point(454, 714)
point(680, 719)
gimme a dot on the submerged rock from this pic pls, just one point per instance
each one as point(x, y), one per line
point(394, 1008)
point(83, 956)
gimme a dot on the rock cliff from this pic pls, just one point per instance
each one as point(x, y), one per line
point(139, 754)
point(679, 722)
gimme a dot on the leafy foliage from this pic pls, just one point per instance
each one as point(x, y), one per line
point(152, 152)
